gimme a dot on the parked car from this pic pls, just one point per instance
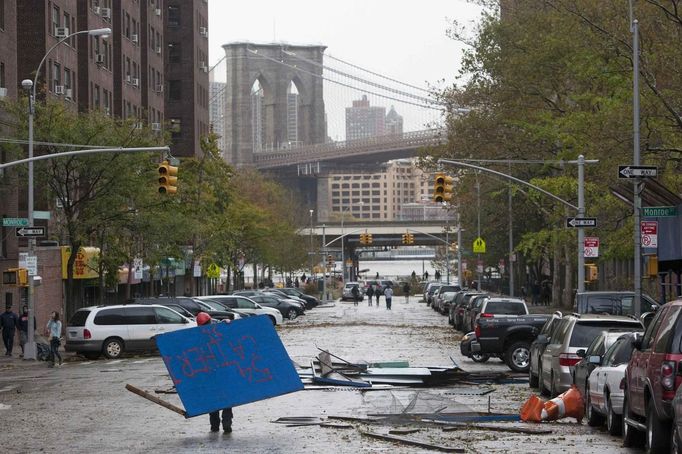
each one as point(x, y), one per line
point(291, 299)
point(246, 305)
point(611, 302)
point(508, 337)
point(676, 437)
point(465, 349)
point(193, 305)
point(604, 394)
point(112, 330)
point(455, 302)
point(442, 300)
point(500, 307)
point(471, 311)
point(457, 308)
point(537, 347)
point(589, 362)
point(347, 292)
point(651, 380)
point(310, 301)
point(439, 297)
point(286, 308)
point(575, 332)
point(429, 294)
point(427, 287)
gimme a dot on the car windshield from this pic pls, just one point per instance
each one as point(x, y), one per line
point(212, 305)
point(505, 308)
point(585, 332)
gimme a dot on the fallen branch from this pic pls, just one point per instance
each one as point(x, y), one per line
point(412, 442)
point(155, 399)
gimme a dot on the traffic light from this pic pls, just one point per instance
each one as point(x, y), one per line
point(16, 277)
point(368, 238)
point(409, 238)
point(168, 178)
point(442, 188)
point(405, 238)
point(363, 238)
point(330, 260)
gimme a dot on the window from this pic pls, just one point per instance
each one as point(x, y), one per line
point(174, 53)
point(585, 332)
point(105, 101)
point(2, 14)
point(67, 24)
point(168, 316)
point(96, 100)
point(651, 330)
point(666, 331)
point(176, 127)
point(140, 316)
point(174, 16)
point(55, 20)
point(67, 80)
point(2, 74)
point(56, 75)
point(126, 26)
point(79, 317)
point(110, 317)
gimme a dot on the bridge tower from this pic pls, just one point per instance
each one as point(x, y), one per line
point(270, 105)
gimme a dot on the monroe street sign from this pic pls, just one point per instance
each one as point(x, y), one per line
point(637, 171)
point(659, 212)
point(581, 222)
point(15, 222)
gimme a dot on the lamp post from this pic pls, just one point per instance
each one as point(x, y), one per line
point(311, 242)
point(30, 86)
point(343, 255)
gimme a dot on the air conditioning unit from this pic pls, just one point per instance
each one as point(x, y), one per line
point(128, 78)
point(107, 110)
point(158, 50)
point(59, 89)
point(96, 10)
point(203, 31)
point(68, 93)
point(203, 67)
point(3, 92)
point(105, 12)
point(99, 59)
point(61, 32)
point(156, 126)
point(159, 88)
point(135, 38)
point(138, 125)
point(136, 81)
point(157, 11)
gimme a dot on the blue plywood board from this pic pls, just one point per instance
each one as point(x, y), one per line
point(227, 364)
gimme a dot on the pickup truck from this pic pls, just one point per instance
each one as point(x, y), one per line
point(509, 338)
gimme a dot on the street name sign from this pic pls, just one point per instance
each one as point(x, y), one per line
point(33, 231)
point(15, 222)
point(659, 212)
point(581, 222)
point(637, 171)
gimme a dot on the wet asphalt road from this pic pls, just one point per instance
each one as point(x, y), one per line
point(83, 407)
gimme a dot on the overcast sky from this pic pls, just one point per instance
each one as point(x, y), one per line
point(401, 39)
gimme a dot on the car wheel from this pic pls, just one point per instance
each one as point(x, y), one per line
point(480, 357)
point(113, 348)
point(631, 437)
point(593, 418)
point(613, 421)
point(657, 432)
point(543, 389)
point(92, 355)
point(533, 380)
point(517, 356)
point(292, 314)
point(675, 447)
point(273, 320)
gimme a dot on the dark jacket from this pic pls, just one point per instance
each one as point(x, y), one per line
point(22, 323)
point(9, 321)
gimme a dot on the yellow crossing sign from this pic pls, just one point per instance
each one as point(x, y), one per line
point(479, 246)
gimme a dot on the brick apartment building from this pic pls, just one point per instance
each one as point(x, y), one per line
point(125, 75)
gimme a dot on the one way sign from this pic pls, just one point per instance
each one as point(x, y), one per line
point(637, 171)
point(581, 222)
point(31, 231)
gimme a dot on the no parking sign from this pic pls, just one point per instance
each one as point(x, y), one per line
point(649, 230)
point(591, 245)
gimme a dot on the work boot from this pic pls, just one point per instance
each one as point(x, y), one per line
point(227, 429)
point(215, 429)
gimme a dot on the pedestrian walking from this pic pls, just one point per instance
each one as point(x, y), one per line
point(54, 332)
point(8, 323)
point(437, 275)
point(355, 291)
point(406, 291)
point(214, 417)
point(377, 292)
point(535, 291)
point(23, 328)
point(370, 294)
point(388, 294)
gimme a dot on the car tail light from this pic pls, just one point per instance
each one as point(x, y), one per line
point(486, 315)
point(568, 359)
point(477, 330)
point(86, 334)
point(668, 375)
point(460, 310)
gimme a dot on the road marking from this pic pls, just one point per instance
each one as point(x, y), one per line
point(116, 361)
point(142, 361)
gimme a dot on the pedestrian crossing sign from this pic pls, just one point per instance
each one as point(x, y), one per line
point(479, 246)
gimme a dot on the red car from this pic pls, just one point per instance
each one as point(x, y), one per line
point(651, 379)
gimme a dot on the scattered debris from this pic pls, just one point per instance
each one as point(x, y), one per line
point(403, 431)
point(567, 405)
point(324, 371)
point(298, 421)
point(452, 426)
point(155, 399)
point(166, 391)
point(412, 442)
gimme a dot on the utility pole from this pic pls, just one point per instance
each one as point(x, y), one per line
point(637, 199)
point(459, 248)
point(478, 203)
point(581, 230)
point(510, 265)
point(447, 243)
point(324, 266)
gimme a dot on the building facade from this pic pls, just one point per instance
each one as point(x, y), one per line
point(187, 94)
point(216, 112)
point(375, 195)
point(394, 122)
point(364, 121)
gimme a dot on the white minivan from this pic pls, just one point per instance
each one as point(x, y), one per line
point(111, 330)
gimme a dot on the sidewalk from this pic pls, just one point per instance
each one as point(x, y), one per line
point(10, 362)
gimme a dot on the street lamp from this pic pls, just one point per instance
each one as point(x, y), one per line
point(311, 242)
point(30, 86)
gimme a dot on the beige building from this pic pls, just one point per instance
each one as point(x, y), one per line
point(377, 194)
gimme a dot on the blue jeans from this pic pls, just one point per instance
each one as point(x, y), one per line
point(388, 303)
point(54, 350)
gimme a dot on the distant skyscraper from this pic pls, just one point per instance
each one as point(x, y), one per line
point(363, 120)
point(216, 112)
point(394, 122)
